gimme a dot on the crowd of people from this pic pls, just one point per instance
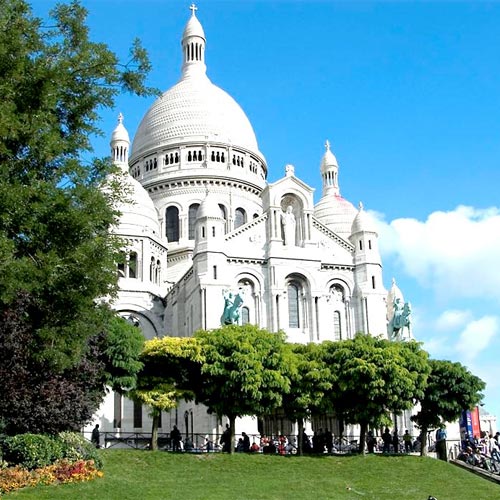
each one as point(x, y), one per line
point(483, 452)
point(319, 442)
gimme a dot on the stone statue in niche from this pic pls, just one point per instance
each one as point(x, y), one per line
point(288, 221)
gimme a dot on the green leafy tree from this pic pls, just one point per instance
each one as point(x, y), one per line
point(374, 377)
point(243, 372)
point(57, 255)
point(310, 380)
point(451, 388)
point(171, 365)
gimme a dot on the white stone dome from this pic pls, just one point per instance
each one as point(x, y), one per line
point(120, 132)
point(138, 213)
point(336, 213)
point(193, 110)
point(209, 208)
point(363, 222)
point(328, 161)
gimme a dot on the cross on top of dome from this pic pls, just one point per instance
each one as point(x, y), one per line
point(193, 9)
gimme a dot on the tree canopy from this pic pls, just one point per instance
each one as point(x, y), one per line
point(374, 377)
point(243, 371)
point(451, 388)
point(57, 254)
point(171, 369)
point(311, 379)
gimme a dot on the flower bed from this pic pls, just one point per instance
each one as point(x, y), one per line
point(62, 471)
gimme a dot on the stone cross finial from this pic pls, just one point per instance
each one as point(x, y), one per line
point(289, 170)
point(120, 118)
point(361, 205)
point(193, 9)
point(327, 145)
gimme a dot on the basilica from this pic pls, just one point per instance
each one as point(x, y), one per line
point(210, 240)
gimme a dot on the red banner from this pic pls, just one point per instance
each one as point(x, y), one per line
point(476, 426)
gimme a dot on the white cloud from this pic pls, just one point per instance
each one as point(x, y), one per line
point(476, 336)
point(452, 319)
point(456, 253)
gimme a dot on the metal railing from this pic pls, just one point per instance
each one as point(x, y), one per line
point(201, 443)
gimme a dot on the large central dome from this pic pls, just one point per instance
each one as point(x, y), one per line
point(193, 110)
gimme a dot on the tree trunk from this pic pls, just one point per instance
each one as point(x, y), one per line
point(300, 425)
point(423, 441)
point(362, 437)
point(232, 420)
point(154, 431)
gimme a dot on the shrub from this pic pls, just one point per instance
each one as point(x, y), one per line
point(32, 450)
point(76, 447)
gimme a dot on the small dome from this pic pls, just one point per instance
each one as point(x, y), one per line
point(193, 28)
point(328, 161)
point(336, 213)
point(209, 208)
point(138, 213)
point(120, 132)
point(363, 222)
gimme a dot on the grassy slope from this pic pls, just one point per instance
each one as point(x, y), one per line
point(158, 475)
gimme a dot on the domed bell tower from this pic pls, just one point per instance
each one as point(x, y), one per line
point(370, 291)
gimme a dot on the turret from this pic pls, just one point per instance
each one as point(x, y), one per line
point(368, 274)
point(193, 46)
point(332, 210)
point(120, 144)
point(208, 256)
point(329, 172)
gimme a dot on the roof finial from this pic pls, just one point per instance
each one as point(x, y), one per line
point(193, 9)
point(327, 145)
point(120, 118)
point(360, 206)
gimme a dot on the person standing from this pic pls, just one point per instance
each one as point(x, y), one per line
point(395, 441)
point(407, 441)
point(96, 436)
point(386, 438)
point(225, 439)
point(246, 442)
point(370, 442)
point(441, 444)
point(175, 438)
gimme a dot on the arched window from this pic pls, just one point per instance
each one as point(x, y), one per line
point(132, 265)
point(152, 270)
point(172, 224)
point(245, 315)
point(240, 217)
point(337, 293)
point(293, 306)
point(224, 216)
point(121, 265)
point(193, 210)
point(337, 327)
point(158, 273)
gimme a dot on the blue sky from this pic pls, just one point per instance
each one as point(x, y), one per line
point(408, 93)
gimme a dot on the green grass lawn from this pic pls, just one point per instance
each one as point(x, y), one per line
point(146, 475)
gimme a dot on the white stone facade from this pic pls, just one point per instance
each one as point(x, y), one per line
point(313, 271)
